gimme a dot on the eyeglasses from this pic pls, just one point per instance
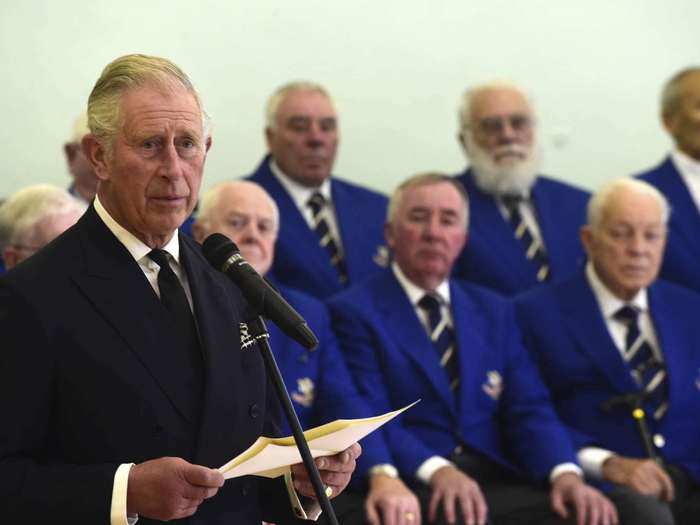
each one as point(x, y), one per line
point(492, 126)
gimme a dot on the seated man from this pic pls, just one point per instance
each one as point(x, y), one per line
point(320, 385)
point(484, 439)
point(331, 235)
point(33, 217)
point(524, 224)
point(678, 175)
point(612, 331)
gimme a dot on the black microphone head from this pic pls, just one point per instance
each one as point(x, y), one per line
point(218, 249)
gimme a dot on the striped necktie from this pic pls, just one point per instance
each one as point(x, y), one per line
point(442, 337)
point(534, 250)
point(319, 209)
point(648, 371)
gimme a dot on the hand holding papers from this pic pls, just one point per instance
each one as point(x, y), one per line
point(272, 457)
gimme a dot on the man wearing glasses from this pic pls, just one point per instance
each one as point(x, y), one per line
point(525, 226)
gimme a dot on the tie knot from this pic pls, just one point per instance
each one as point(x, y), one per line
point(627, 314)
point(429, 303)
point(160, 257)
point(316, 202)
point(511, 200)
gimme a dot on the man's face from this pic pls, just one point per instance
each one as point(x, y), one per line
point(684, 123)
point(244, 213)
point(627, 247)
point(150, 180)
point(305, 137)
point(500, 141)
point(428, 232)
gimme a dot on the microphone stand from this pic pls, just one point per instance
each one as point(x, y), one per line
point(259, 332)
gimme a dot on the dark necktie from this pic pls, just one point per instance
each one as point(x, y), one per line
point(647, 370)
point(534, 250)
point(318, 205)
point(442, 337)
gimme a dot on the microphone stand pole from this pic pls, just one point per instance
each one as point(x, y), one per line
point(633, 403)
point(259, 332)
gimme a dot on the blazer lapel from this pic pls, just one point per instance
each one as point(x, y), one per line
point(583, 318)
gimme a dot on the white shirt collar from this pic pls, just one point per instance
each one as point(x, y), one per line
point(134, 245)
point(415, 293)
point(299, 193)
point(610, 303)
point(685, 163)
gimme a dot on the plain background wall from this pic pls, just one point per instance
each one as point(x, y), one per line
point(396, 70)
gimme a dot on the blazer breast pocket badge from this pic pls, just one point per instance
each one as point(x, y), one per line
point(493, 385)
point(382, 257)
point(697, 380)
point(304, 395)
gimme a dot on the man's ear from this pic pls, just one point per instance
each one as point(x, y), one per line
point(207, 144)
point(389, 235)
point(96, 154)
point(586, 236)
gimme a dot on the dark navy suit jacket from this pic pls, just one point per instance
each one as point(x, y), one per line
point(567, 335)
point(319, 382)
point(494, 258)
point(300, 261)
point(682, 257)
point(501, 408)
point(86, 383)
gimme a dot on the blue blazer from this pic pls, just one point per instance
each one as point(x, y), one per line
point(565, 331)
point(494, 258)
point(300, 261)
point(501, 408)
point(319, 382)
point(682, 257)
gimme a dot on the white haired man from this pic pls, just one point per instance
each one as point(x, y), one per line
point(84, 184)
point(524, 225)
point(616, 346)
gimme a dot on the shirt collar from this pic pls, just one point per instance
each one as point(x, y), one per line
point(299, 193)
point(685, 163)
point(415, 293)
point(610, 303)
point(133, 244)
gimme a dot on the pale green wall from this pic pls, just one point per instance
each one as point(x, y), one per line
point(396, 69)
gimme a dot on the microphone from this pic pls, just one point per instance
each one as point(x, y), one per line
point(223, 254)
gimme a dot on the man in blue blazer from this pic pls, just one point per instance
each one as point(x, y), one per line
point(331, 235)
point(484, 438)
point(123, 382)
point(579, 333)
point(319, 383)
point(523, 226)
point(677, 178)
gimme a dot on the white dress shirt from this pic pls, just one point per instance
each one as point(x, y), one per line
point(592, 458)
point(689, 168)
point(415, 293)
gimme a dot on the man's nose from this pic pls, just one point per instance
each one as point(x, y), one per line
point(170, 161)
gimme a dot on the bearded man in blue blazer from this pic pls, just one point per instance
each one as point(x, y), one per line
point(484, 439)
point(319, 383)
point(678, 178)
point(331, 235)
point(612, 331)
point(523, 225)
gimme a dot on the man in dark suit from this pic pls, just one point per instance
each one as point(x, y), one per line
point(524, 225)
point(124, 385)
point(678, 177)
point(613, 330)
point(484, 436)
point(318, 381)
point(331, 235)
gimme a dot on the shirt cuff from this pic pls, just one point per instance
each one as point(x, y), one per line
point(562, 468)
point(309, 510)
point(430, 466)
point(118, 508)
point(592, 459)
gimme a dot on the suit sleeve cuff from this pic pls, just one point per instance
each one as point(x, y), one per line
point(563, 468)
point(430, 466)
point(309, 510)
point(118, 514)
point(592, 459)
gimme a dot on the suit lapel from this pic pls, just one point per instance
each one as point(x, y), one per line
point(112, 279)
point(583, 318)
point(401, 320)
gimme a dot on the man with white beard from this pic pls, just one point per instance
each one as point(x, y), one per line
point(524, 226)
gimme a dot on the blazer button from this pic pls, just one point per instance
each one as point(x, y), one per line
point(253, 410)
point(659, 440)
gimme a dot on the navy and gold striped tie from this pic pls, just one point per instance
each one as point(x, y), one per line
point(442, 337)
point(534, 249)
point(319, 208)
